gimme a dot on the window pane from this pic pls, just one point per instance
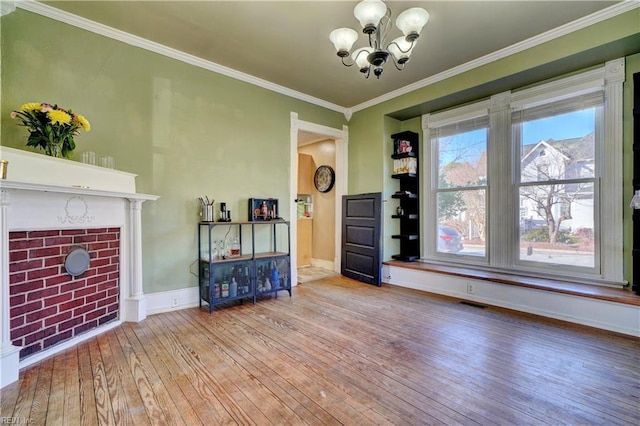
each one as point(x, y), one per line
point(462, 159)
point(557, 224)
point(558, 147)
point(462, 222)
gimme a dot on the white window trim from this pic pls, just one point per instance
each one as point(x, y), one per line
point(501, 256)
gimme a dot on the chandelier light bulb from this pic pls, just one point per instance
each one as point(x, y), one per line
point(369, 13)
point(401, 49)
point(411, 22)
point(343, 39)
point(360, 57)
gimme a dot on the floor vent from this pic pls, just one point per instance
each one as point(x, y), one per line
point(475, 305)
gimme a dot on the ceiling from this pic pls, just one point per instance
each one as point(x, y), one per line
point(287, 42)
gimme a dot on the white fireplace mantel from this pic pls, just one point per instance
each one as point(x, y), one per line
point(42, 192)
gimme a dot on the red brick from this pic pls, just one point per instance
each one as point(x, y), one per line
point(85, 327)
point(108, 318)
point(96, 296)
point(44, 252)
point(54, 261)
point(18, 299)
point(17, 255)
point(41, 314)
point(117, 230)
point(17, 235)
point(107, 237)
point(17, 277)
point(108, 301)
point(114, 307)
point(96, 280)
point(40, 294)
point(43, 273)
point(74, 231)
point(59, 279)
point(16, 322)
point(25, 265)
point(99, 246)
point(88, 307)
point(25, 244)
point(74, 285)
point(48, 233)
point(70, 305)
point(84, 239)
point(70, 323)
point(27, 329)
point(107, 269)
point(107, 253)
point(114, 244)
point(23, 309)
point(107, 285)
point(95, 314)
point(57, 318)
point(113, 291)
point(58, 241)
point(24, 352)
point(57, 338)
point(57, 300)
point(84, 291)
point(26, 287)
point(96, 263)
point(97, 231)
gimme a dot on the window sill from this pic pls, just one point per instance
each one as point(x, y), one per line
point(584, 290)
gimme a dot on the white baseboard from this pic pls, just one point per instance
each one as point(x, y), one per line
point(321, 263)
point(618, 317)
point(173, 300)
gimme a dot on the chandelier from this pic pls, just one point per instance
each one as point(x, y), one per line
point(375, 18)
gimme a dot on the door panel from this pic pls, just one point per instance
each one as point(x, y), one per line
point(362, 237)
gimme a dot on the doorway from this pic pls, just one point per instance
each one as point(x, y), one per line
point(316, 219)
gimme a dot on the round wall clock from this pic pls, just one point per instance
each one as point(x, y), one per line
point(324, 178)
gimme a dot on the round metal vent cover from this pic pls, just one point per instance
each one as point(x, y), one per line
point(77, 262)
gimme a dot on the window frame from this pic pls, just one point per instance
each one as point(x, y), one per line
point(503, 180)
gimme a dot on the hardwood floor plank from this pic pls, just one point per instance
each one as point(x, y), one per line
point(177, 408)
point(103, 403)
point(87, 403)
point(338, 352)
point(72, 385)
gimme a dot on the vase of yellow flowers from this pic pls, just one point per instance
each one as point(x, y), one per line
point(51, 128)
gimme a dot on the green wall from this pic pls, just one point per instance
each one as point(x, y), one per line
point(613, 38)
point(184, 130)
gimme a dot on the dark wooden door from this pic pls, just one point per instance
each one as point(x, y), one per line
point(362, 237)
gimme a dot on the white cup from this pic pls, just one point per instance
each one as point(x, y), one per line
point(107, 162)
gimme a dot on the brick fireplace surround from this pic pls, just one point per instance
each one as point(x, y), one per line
point(48, 207)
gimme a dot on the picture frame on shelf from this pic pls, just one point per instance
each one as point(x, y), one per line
point(263, 209)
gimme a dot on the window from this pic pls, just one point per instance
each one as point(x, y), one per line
point(530, 181)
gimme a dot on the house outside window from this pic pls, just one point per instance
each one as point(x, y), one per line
point(530, 180)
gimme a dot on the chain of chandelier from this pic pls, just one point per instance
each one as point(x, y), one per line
point(375, 18)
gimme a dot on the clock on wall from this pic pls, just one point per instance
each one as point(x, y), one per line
point(324, 178)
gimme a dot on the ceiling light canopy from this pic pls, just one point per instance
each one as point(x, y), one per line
point(375, 19)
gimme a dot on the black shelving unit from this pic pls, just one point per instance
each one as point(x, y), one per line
point(264, 270)
point(406, 171)
point(636, 184)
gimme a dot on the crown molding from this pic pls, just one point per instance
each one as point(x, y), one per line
point(594, 18)
point(104, 30)
point(7, 6)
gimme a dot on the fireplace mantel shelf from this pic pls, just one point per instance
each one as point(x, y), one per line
point(79, 190)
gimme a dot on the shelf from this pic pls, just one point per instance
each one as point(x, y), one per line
point(411, 237)
point(405, 216)
point(229, 259)
point(405, 258)
point(405, 176)
point(404, 195)
point(269, 254)
point(404, 155)
point(255, 222)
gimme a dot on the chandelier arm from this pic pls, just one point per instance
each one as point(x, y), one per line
point(399, 67)
point(346, 64)
point(400, 48)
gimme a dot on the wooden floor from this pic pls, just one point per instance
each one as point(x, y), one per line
point(337, 352)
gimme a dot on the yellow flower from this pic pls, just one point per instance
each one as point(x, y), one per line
point(82, 122)
point(60, 117)
point(31, 106)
